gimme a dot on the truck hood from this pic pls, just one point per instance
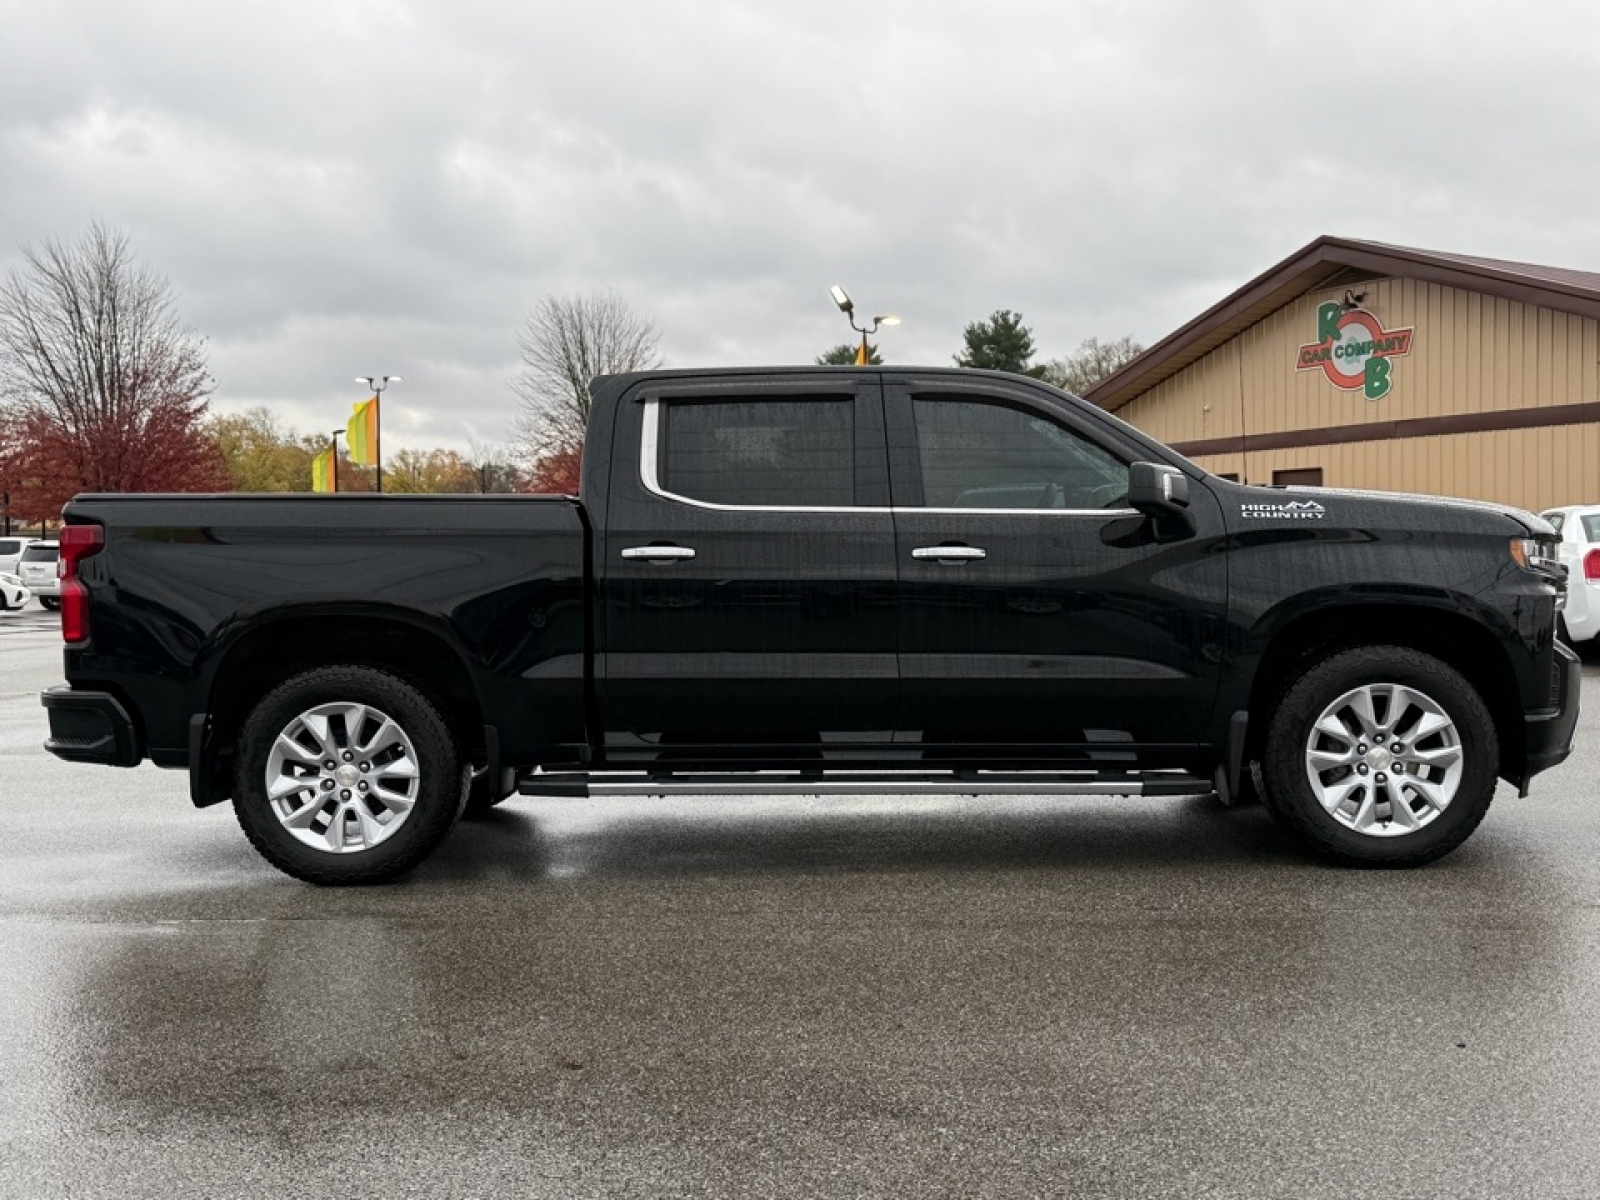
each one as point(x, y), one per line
point(1350, 506)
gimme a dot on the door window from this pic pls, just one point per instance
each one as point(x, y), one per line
point(981, 454)
point(780, 453)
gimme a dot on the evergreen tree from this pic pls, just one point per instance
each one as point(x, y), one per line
point(1002, 343)
point(844, 355)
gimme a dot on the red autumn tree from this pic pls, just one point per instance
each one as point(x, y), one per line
point(104, 390)
point(557, 471)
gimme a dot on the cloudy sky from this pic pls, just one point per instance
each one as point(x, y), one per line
point(352, 186)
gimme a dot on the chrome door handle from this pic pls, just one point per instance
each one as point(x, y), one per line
point(658, 552)
point(949, 553)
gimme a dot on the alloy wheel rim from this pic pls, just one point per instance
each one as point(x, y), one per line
point(1384, 759)
point(342, 777)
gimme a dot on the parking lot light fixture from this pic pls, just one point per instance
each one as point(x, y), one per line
point(847, 306)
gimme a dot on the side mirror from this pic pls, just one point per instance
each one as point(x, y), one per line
point(1156, 489)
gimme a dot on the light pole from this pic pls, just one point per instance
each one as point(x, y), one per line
point(848, 308)
point(377, 383)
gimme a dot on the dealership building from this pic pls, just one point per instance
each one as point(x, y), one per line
point(1362, 365)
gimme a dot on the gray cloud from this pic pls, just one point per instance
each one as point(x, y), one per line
point(343, 188)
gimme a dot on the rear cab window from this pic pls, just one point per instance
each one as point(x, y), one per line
point(782, 449)
point(41, 552)
point(759, 453)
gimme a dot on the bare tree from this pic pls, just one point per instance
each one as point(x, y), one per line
point(565, 342)
point(492, 468)
point(107, 386)
point(1091, 362)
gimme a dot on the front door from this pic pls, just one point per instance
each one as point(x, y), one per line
point(1036, 608)
point(748, 570)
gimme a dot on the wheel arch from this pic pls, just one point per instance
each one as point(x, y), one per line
point(1453, 637)
point(271, 652)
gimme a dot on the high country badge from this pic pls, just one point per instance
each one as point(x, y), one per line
point(1294, 510)
point(1353, 350)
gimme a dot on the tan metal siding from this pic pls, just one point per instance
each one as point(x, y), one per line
point(1531, 468)
point(1470, 353)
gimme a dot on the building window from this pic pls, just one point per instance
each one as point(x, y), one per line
point(1299, 477)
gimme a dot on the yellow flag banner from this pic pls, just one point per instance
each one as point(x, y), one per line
point(361, 434)
point(861, 354)
point(322, 472)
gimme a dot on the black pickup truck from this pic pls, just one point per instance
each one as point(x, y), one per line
point(814, 581)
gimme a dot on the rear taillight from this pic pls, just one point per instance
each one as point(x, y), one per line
point(1591, 565)
point(78, 542)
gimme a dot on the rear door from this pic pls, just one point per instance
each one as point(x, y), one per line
point(748, 569)
point(1036, 608)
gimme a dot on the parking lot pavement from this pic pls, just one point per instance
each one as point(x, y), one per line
point(31, 618)
point(734, 998)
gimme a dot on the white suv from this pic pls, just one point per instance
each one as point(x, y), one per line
point(37, 570)
point(11, 549)
point(1579, 527)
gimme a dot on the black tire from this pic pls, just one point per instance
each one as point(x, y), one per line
point(50, 602)
point(438, 792)
point(1290, 795)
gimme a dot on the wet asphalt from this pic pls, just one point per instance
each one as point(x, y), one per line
point(923, 997)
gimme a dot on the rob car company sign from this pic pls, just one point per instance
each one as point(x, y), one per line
point(1354, 350)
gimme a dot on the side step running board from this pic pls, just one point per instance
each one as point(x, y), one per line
point(862, 783)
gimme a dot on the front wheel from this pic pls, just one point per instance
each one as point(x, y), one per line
point(1381, 756)
point(347, 775)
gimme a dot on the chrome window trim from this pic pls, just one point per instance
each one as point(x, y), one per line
point(649, 476)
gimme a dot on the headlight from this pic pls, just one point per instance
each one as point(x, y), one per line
point(11, 579)
point(1533, 555)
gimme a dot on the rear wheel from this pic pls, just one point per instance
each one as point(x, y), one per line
point(347, 775)
point(50, 602)
point(1381, 756)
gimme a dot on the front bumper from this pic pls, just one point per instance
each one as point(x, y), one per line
point(90, 727)
point(1548, 732)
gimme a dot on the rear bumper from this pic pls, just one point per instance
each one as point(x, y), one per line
point(90, 727)
point(1548, 733)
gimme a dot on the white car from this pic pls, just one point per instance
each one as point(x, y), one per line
point(11, 549)
point(12, 593)
point(1579, 527)
point(37, 570)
